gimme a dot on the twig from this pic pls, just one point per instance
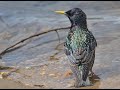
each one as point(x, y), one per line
point(58, 36)
point(21, 41)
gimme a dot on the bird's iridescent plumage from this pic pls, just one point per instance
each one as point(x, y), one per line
point(80, 47)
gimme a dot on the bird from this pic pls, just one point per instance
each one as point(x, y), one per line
point(79, 46)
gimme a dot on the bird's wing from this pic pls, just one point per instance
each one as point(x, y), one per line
point(81, 54)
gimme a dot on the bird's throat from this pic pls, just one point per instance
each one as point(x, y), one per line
point(81, 25)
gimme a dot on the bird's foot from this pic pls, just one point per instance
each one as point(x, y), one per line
point(83, 84)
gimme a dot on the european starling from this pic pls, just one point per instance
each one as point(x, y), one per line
point(80, 46)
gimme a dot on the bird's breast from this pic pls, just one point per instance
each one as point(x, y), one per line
point(78, 39)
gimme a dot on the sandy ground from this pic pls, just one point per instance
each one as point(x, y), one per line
point(9, 84)
point(39, 62)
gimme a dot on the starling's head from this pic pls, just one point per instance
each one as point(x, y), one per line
point(75, 15)
point(76, 12)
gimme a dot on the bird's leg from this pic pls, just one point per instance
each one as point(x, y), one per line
point(77, 74)
point(85, 78)
point(91, 74)
point(91, 65)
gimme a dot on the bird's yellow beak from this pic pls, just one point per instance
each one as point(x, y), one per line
point(60, 12)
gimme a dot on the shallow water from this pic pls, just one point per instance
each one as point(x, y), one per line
point(40, 63)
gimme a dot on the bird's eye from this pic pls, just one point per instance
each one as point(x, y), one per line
point(71, 13)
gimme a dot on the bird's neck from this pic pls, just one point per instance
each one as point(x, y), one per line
point(79, 24)
point(82, 25)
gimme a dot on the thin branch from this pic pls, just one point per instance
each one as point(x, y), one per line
point(21, 41)
point(58, 36)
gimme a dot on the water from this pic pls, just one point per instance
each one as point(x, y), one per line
point(38, 57)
